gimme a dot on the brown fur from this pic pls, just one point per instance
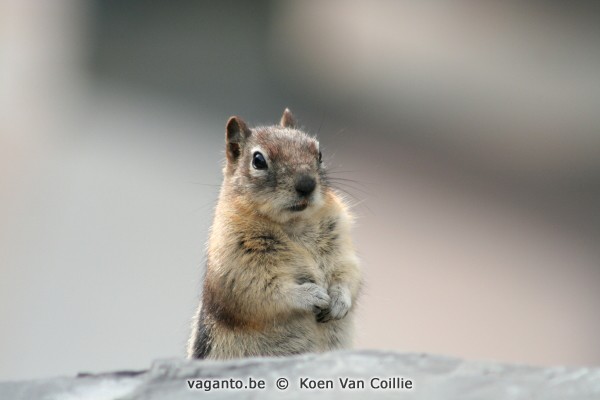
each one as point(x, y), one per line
point(277, 281)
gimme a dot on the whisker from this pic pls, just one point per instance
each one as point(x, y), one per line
point(204, 206)
point(346, 192)
point(357, 201)
point(335, 178)
point(333, 171)
point(345, 187)
point(341, 131)
point(205, 184)
point(352, 187)
point(321, 123)
point(347, 180)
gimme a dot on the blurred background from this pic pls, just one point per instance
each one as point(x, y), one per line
point(470, 131)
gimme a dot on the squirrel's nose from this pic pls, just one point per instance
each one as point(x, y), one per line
point(305, 185)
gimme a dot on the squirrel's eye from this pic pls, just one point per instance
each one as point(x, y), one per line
point(258, 161)
point(320, 158)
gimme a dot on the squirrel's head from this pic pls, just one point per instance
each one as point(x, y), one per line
point(276, 169)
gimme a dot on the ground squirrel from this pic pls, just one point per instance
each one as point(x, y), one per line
point(282, 276)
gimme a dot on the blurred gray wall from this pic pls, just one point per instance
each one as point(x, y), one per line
point(469, 132)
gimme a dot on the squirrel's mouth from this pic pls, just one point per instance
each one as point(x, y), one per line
point(299, 206)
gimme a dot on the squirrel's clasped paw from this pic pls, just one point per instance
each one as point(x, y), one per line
point(339, 305)
point(313, 297)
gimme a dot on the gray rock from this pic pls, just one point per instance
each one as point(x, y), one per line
point(430, 377)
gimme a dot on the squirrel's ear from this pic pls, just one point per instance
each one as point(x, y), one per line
point(287, 119)
point(236, 133)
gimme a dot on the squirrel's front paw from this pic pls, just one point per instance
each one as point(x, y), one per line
point(339, 305)
point(313, 297)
